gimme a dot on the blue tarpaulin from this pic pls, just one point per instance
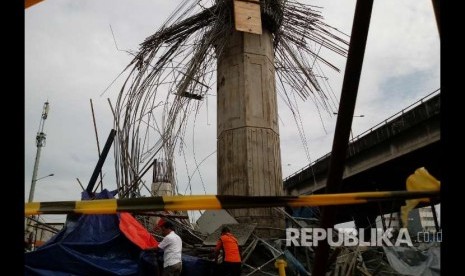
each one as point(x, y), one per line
point(95, 245)
point(90, 245)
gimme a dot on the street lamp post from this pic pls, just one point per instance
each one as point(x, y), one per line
point(335, 113)
point(351, 134)
point(33, 185)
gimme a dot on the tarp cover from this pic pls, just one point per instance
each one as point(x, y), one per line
point(95, 245)
point(411, 261)
point(105, 245)
point(135, 232)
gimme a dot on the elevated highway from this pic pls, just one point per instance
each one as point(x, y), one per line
point(381, 158)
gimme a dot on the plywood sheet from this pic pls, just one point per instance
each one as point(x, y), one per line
point(247, 16)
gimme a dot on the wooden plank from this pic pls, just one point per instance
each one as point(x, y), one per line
point(247, 17)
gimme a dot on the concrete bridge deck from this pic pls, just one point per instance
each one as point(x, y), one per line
point(381, 158)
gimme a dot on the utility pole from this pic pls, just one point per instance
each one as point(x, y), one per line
point(40, 142)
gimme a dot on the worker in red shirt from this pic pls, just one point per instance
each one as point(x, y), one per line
point(231, 265)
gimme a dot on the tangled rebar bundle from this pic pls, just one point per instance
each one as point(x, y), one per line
point(175, 68)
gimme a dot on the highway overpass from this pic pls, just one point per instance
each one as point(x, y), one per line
point(381, 158)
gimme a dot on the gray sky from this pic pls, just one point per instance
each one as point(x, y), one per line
point(70, 57)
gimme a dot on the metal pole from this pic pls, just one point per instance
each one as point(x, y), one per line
point(40, 142)
point(96, 137)
point(34, 175)
point(435, 217)
point(349, 91)
point(100, 162)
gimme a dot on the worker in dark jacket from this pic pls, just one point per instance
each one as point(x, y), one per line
point(231, 265)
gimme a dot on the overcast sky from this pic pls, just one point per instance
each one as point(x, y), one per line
point(71, 57)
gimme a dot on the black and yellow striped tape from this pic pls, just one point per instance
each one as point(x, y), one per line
point(212, 202)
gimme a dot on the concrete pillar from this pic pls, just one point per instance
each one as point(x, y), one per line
point(249, 159)
point(161, 184)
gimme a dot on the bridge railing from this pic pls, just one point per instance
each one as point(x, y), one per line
point(413, 114)
point(401, 114)
point(419, 111)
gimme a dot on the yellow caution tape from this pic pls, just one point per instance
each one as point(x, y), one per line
point(212, 202)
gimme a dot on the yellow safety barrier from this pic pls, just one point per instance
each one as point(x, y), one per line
point(212, 202)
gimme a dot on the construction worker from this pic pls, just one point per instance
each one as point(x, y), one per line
point(231, 265)
point(172, 247)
